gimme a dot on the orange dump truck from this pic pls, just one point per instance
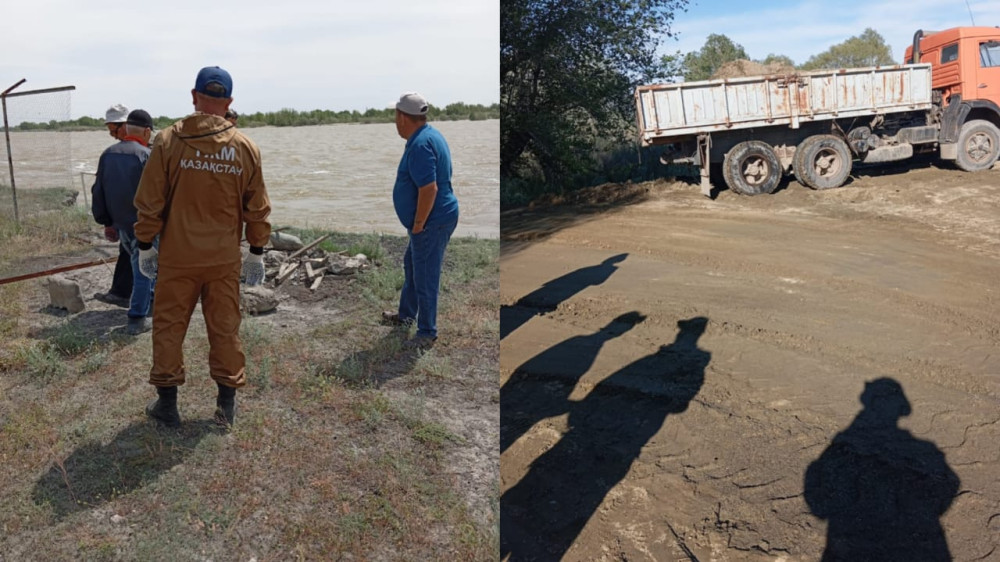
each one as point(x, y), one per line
point(815, 125)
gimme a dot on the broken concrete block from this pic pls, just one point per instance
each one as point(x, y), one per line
point(285, 242)
point(65, 293)
point(342, 265)
point(257, 300)
point(274, 257)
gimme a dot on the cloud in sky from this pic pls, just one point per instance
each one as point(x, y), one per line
point(298, 54)
point(802, 28)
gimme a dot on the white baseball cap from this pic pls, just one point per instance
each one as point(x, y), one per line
point(117, 113)
point(412, 103)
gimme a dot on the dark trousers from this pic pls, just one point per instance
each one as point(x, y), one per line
point(121, 284)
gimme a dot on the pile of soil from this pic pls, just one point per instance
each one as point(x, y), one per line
point(742, 67)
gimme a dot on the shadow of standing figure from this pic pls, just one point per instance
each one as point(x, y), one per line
point(96, 473)
point(542, 515)
point(523, 400)
point(881, 490)
point(549, 296)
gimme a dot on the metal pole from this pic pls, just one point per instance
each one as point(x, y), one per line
point(60, 269)
point(32, 92)
point(10, 157)
point(83, 188)
point(10, 160)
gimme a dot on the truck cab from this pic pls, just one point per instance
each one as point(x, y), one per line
point(965, 62)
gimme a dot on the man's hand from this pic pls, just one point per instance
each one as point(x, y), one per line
point(418, 227)
point(148, 262)
point(253, 269)
point(110, 234)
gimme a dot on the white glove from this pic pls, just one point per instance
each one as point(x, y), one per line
point(148, 260)
point(253, 269)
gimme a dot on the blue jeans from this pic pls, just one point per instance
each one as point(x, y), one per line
point(142, 286)
point(422, 277)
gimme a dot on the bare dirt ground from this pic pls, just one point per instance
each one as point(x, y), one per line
point(764, 378)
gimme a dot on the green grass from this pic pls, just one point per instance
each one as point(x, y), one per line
point(336, 450)
point(43, 363)
point(371, 245)
point(70, 340)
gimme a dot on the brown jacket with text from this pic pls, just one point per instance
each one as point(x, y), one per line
point(202, 183)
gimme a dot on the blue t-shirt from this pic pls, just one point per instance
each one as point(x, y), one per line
point(425, 159)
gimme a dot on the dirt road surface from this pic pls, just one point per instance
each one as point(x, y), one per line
point(754, 378)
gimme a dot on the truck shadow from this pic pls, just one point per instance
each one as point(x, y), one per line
point(542, 515)
point(880, 489)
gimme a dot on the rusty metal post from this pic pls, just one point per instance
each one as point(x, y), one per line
point(10, 157)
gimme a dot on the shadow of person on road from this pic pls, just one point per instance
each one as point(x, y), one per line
point(95, 473)
point(542, 515)
point(880, 489)
point(549, 296)
point(521, 403)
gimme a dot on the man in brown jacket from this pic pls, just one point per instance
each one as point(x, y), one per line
point(202, 183)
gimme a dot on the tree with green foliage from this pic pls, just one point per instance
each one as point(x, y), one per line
point(292, 118)
point(717, 51)
point(568, 70)
point(672, 65)
point(867, 49)
point(778, 59)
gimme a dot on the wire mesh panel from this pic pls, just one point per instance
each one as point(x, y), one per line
point(40, 152)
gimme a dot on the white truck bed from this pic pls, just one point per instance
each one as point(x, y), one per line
point(668, 111)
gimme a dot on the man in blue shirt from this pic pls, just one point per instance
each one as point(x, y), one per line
point(121, 283)
point(428, 209)
point(118, 173)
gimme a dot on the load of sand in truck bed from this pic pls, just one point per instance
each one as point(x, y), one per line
point(742, 67)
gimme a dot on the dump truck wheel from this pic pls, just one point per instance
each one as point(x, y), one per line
point(978, 146)
point(822, 162)
point(751, 168)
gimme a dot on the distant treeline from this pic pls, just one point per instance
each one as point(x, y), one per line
point(292, 118)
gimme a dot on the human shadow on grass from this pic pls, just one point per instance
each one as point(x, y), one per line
point(86, 329)
point(543, 514)
point(880, 489)
point(384, 360)
point(563, 364)
point(96, 473)
point(549, 296)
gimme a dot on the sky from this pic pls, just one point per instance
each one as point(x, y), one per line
point(297, 54)
point(802, 28)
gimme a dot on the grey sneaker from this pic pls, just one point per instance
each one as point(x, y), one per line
point(138, 326)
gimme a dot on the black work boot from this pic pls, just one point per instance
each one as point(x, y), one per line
point(164, 409)
point(225, 411)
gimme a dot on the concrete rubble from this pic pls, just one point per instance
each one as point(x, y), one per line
point(64, 293)
point(297, 264)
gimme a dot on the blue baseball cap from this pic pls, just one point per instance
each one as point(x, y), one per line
point(214, 82)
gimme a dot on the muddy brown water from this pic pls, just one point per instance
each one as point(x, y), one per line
point(765, 378)
point(337, 177)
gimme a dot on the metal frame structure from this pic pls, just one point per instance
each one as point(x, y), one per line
point(6, 130)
